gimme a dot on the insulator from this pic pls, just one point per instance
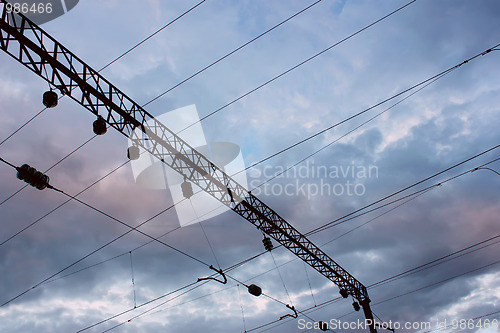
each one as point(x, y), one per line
point(100, 127)
point(356, 306)
point(133, 153)
point(323, 326)
point(254, 290)
point(187, 189)
point(268, 245)
point(33, 177)
point(50, 99)
point(343, 293)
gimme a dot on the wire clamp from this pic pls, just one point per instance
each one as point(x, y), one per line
point(294, 315)
point(212, 278)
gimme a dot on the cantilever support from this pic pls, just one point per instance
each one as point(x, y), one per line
point(294, 315)
point(212, 278)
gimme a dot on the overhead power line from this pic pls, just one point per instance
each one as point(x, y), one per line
point(171, 299)
point(438, 282)
point(37, 185)
point(59, 206)
point(347, 133)
point(107, 215)
point(329, 302)
point(299, 65)
point(419, 192)
point(407, 199)
point(451, 256)
point(196, 74)
point(406, 273)
point(435, 78)
point(466, 320)
point(422, 83)
point(232, 52)
point(404, 189)
point(193, 285)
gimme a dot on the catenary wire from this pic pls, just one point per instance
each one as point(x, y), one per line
point(106, 260)
point(164, 302)
point(232, 52)
point(157, 306)
point(46, 280)
point(53, 166)
point(412, 197)
point(404, 189)
point(370, 108)
point(349, 132)
point(421, 88)
point(60, 205)
point(298, 65)
point(194, 285)
point(420, 267)
point(53, 278)
point(444, 73)
point(329, 302)
point(438, 282)
point(387, 280)
point(134, 249)
point(112, 218)
point(409, 198)
point(433, 262)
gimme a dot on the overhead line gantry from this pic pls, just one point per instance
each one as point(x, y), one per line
point(45, 56)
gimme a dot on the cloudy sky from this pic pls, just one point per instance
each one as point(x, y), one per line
point(447, 122)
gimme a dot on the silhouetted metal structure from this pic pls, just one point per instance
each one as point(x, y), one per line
point(45, 56)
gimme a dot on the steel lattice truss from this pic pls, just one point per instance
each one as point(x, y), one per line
point(38, 51)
